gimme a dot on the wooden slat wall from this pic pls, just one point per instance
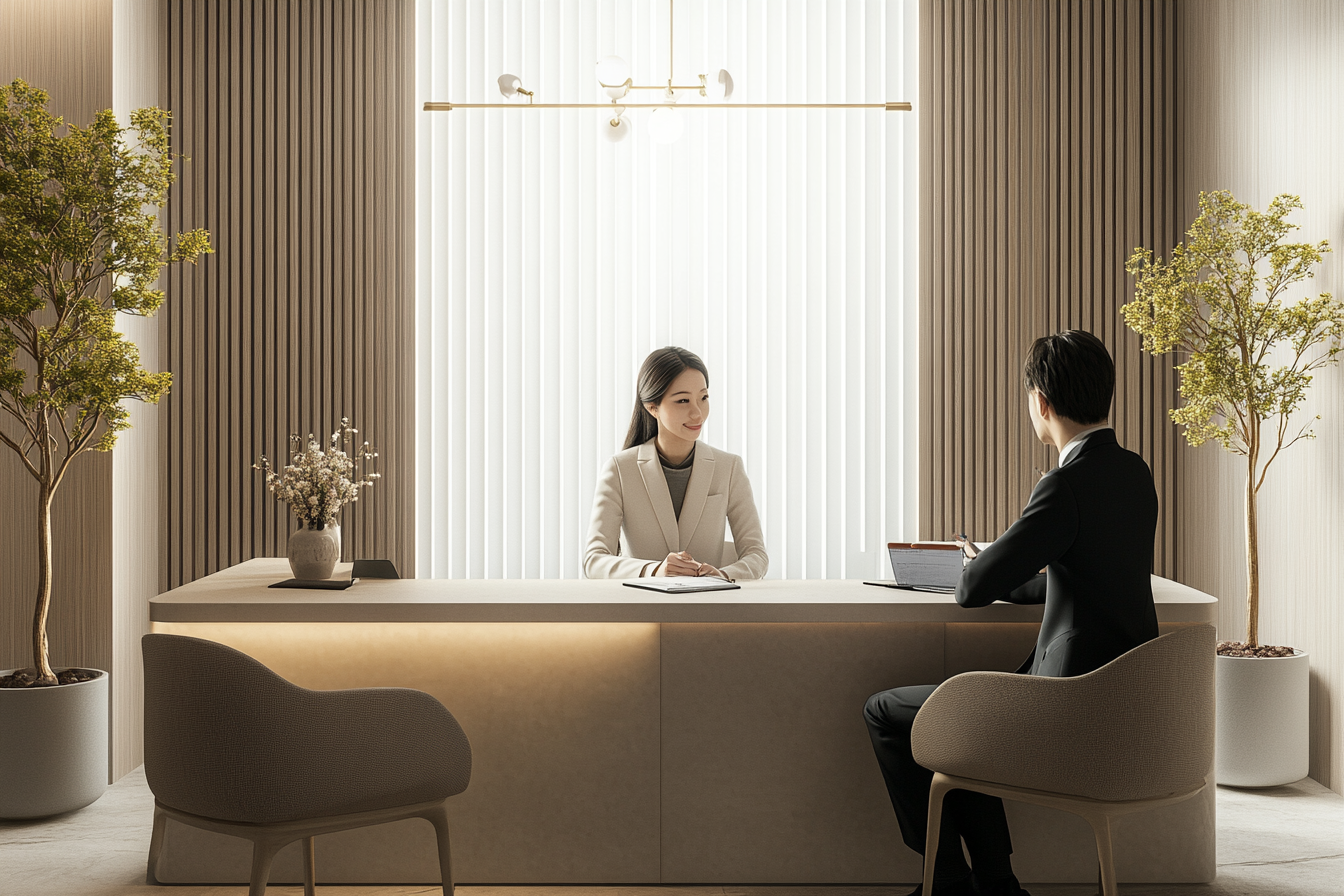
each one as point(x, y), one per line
point(1260, 89)
point(1048, 151)
point(298, 119)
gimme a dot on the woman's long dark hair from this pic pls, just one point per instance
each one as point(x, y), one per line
point(656, 374)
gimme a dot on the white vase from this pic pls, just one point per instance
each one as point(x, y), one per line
point(1263, 734)
point(53, 747)
point(313, 553)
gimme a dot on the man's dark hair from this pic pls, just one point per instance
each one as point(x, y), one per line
point(1074, 372)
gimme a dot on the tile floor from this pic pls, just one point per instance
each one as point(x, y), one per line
point(1284, 841)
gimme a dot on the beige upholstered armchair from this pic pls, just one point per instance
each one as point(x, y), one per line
point(1133, 735)
point(234, 748)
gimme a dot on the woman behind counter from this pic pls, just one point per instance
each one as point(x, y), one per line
point(670, 494)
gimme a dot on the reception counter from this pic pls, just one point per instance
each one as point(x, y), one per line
point(624, 736)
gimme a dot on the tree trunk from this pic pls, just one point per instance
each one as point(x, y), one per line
point(41, 662)
point(1252, 557)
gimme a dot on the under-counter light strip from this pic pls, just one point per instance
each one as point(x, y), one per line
point(448, 107)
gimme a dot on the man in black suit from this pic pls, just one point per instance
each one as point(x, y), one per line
point(1090, 525)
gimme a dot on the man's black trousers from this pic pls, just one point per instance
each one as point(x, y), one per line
point(974, 817)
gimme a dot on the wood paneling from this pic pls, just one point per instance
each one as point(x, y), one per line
point(1047, 154)
point(298, 121)
point(1260, 89)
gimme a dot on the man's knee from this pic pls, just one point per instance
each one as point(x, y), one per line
point(896, 709)
point(890, 711)
point(872, 711)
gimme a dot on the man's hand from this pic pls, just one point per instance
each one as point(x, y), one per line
point(679, 564)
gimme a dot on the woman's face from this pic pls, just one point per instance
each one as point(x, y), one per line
point(684, 408)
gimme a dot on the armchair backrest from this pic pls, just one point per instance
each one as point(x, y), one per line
point(227, 738)
point(1139, 727)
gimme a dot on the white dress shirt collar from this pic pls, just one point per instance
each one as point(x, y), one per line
point(1077, 442)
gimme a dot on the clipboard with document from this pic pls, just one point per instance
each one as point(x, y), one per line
point(681, 584)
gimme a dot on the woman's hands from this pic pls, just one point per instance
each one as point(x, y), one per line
point(682, 563)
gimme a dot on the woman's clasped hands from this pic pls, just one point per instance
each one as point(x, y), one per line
point(681, 563)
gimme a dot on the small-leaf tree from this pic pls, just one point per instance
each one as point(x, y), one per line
point(79, 241)
point(1220, 300)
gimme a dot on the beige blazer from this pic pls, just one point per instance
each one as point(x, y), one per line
point(632, 500)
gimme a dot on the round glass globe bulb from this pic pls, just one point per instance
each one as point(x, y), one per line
point(665, 126)
point(612, 71)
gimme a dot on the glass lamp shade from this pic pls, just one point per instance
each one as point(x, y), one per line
point(616, 129)
point(721, 85)
point(612, 73)
point(665, 126)
point(509, 84)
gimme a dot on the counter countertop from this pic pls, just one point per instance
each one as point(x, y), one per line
point(239, 594)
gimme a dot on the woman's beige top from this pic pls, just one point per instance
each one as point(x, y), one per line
point(634, 527)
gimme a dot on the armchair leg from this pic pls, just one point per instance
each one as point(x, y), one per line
point(937, 791)
point(438, 817)
point(155, 846)
point(263, 853)
point(309, 867)
point(1101, 826)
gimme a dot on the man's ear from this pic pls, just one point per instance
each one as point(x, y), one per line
point(1043, 408)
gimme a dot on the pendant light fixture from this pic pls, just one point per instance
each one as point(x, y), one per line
point(665, 124)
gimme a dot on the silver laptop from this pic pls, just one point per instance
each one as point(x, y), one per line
point(924, 566)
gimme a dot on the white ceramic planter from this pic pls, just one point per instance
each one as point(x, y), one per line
point(53, 748)
point(1262, 720)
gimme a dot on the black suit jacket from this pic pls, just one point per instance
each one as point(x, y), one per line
point(1090, 523)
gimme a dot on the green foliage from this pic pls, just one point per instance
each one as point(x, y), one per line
point(79, 241)
point(1220, 299)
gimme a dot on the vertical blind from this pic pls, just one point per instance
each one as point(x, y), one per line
point(779, 245)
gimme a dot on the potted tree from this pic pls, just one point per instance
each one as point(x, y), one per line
point(80, 242)
point(1220, 300)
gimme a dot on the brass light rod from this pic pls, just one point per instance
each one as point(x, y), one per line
point(668, 86)
point(448, 107)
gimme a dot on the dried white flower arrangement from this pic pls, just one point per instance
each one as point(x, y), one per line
point(316, 484)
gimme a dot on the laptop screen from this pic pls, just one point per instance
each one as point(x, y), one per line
point(927, 565)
